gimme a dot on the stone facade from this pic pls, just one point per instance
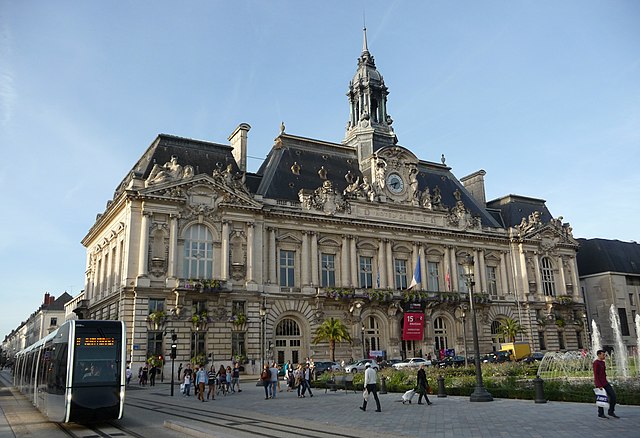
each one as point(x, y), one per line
point(195, 245)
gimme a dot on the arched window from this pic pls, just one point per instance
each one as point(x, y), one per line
point(371, 334)
point(288, 344)
point(198, 252)
point(440, 334)
point(548, 281)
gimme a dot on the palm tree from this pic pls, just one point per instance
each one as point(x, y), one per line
point(510, 328)
point(332, 330)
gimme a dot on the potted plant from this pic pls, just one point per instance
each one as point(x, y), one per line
point(157, 318)
point(239, 319)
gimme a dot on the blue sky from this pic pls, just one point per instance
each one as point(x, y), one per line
point(543, 95)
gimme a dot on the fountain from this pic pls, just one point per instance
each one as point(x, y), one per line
point(622, 360)
point(596, 340)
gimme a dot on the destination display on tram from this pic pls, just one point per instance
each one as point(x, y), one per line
point(95, 342)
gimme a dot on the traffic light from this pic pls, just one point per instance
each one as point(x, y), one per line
point(174, 351)
point(160, 358)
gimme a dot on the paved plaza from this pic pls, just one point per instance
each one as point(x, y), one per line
point(447, 417)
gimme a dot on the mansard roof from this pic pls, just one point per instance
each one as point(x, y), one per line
point(602, 255)
point(203, 156)
point(510, 209)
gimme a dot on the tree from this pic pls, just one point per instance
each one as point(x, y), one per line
point(332, 330)
point(510, 328)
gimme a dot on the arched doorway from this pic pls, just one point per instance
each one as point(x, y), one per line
point(496, 338)
point(441, 336)
point(288, 341)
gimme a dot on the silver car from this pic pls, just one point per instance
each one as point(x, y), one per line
point(412, 362)
point(360, 365)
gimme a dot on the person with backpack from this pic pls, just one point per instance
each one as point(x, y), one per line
point(265, 377)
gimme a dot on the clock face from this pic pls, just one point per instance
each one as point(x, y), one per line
point(395, 183)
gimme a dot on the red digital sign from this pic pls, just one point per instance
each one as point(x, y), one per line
point(413, 329)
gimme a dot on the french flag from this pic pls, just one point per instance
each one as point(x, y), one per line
point(417, 277)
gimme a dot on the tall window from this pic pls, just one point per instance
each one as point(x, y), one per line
point(433, 278)
point(287, 268)
point(198, 252)
point(371, 335)
point(496, 338)
point(198, 307)
point(492, 281)
point(561, 340)
point(543, 345)
point(624, 324)
point(156, 305)
point(328, 270)
point(197, 343)
point(462, 279)
point(440, 334)
point(548, 282)
point(238, 344)
point(154, 343)
point(366, 272)
point(401, 273)
point(238, 307)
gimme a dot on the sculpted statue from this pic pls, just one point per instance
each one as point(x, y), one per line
point(171, 170)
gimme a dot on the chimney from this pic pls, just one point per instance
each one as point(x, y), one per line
point(51, 299)
point(46, 298)
point(474, 183)
point(238, 141)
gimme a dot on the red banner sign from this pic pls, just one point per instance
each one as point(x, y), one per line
point(413, 329)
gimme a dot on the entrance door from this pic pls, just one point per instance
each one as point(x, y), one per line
point(288, 341)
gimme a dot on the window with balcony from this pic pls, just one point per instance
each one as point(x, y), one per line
point(287, 268)
point(548, 279)
point(433, 276)
point(401, 273)
point(492, 281)
point(198, 253)
point(328, 264)
point(366, 272)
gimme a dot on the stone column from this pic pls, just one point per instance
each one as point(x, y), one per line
point(250, 251)
point(562, 290)
point(382, 265)
point(423, 267)
point(476, 271)
point(483, 272)
point(143, 254)
point(224, 257)
point(454, 269)
point(173, 245)
point(354, 262)
point(345, 273)
point(315, 259)
point(304, 265)
point(447, 269)
point(536, 262)
point(504, 279)
point(574, 278)
point(272, 255)
point(389, 263)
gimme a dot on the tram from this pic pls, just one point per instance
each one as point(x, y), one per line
point(76, 373)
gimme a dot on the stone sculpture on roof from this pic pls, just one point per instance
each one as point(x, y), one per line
point(169, 171)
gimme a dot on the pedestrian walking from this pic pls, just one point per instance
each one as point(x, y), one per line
point(211, 375)
point(265, 377)
point(371, 387)
point(306, 381)
point(228, 379)
point(152, 375)
point(274, 380)
point(202, 379)
point(179, 371)
point(187, 384)
point(298, 375)
point(235, 377)
point(128, 374)
point(423, 386)
point(600, 380)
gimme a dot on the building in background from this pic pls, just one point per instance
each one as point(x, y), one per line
point(610, 275)
point(49, 316)
point(248, 265)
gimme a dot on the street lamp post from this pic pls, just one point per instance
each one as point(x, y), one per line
point(463, 314)
point(263, 315)
point(480, 394)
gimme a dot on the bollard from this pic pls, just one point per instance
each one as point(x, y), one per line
point(441, 391)
point(383, 385)
point(538, 383)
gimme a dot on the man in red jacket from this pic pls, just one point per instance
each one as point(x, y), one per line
point(600, 380)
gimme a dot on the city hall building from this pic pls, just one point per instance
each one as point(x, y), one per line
point(248, 265)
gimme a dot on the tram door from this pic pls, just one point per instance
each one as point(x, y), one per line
point(288, 341)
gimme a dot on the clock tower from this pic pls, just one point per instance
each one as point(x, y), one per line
point(369, 126)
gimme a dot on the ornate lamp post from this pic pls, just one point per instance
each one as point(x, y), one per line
point(480, 394)
point(263, 315)
point(463, 315)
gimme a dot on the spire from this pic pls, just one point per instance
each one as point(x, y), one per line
point(364, 42)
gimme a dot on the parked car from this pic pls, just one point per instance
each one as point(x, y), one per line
point(497, 357)
point(323, 367)
point(360, 365)
point(412, 362)
point(534, 357)
point(451, 361)
point(389, 363)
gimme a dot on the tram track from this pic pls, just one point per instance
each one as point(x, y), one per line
point(245, 424)
point(110, 429)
